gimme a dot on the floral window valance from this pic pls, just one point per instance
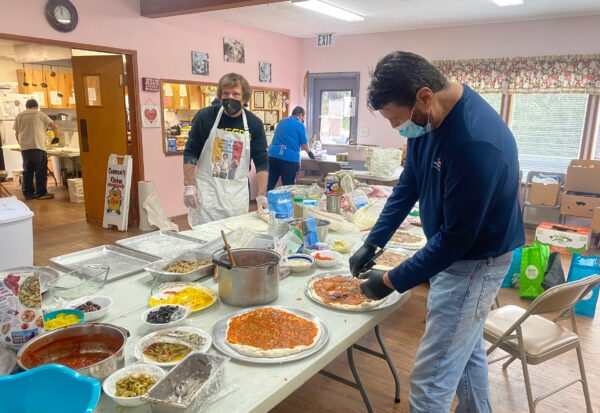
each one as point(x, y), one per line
point(542, 74)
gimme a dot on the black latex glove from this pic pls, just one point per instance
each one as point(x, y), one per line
point(374, 287)
point(361, 258)
point(311, 155)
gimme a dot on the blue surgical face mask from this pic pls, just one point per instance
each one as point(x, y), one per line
point(410, 129)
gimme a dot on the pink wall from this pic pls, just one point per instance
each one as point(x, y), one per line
point(164, 47)
point(359, 53)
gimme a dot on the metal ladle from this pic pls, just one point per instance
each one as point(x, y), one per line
point(25, 83)
point(33, 78)
point(52, 72)
point(44, 84)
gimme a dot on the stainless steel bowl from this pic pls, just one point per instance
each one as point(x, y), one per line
point(105, 341)
point(322, 227)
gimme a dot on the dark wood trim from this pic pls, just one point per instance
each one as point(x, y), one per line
point(136, 149)
point(162, 8)
point(507, 108)
point(586, 150)
point(73, 45)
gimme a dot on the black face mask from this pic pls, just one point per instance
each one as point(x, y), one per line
point(231, 106)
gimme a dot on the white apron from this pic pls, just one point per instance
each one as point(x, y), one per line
point(222, 174)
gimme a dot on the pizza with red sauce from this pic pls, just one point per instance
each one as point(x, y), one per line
point(271, 332)
point(341, 291)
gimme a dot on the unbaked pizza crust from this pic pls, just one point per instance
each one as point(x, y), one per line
point(247, 222)
point(396, 240)
point(257, 352)
point(390, 259)
point(367, 305)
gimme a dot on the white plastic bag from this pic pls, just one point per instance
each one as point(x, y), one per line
point(384, 161)
point(156, 213)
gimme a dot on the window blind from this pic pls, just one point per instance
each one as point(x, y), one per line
point(548, 129)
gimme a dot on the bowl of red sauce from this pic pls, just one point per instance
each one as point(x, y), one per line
point(93, 349)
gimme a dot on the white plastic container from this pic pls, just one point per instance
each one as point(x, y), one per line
point(16, 234)
point(75, 190)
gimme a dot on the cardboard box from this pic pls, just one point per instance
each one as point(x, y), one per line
point(579, 205)
point(583, 176)
point(596, 220)
point(564, 239)
point(543, 194)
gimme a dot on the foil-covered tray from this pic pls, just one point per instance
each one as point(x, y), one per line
point(390, 300)
point(161, 244)
point(122, 262)
point(219, 333)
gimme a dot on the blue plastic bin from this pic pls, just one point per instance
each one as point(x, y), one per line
point(51, 388)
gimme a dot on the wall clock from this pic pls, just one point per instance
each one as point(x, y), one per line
point(62, 15)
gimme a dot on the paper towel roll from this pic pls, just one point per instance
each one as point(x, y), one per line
point(145, 188)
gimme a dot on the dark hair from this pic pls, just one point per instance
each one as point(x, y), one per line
point(232, 79)
point(31, 104)
point(298, 111)
point(398, 77)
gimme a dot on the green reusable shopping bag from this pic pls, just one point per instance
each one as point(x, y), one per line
point(534, 263)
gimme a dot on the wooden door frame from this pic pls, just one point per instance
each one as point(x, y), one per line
point(133, 95)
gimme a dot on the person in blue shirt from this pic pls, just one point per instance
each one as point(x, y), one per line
point(284, 152)
point(462, 166)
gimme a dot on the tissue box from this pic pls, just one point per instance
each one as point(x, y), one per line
point(564, 238)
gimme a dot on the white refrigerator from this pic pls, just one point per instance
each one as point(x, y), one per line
point(10, 106)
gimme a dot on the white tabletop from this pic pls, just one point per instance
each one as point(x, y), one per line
point(258, 388)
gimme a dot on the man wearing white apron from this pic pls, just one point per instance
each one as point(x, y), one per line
point(224, 138)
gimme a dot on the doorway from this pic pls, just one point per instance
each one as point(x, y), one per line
point(331, 107)
point(92, 94)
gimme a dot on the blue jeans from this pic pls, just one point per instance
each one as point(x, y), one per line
point(451, 357)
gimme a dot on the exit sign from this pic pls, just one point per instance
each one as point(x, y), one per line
point(325, 40)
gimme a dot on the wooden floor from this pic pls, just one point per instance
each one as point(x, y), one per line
point(60, 227)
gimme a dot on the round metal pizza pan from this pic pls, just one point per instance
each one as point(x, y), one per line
point(219, 332)
point(390, 300)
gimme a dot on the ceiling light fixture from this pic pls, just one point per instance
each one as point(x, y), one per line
point(328, 9)
point(505, 3)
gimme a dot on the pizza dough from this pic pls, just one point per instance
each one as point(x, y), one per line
point(342, 292)
point(408, 240)
point(390, 259)
point(270, 333)
point(247, 222)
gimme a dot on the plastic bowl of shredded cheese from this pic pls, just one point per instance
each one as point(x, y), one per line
point(191, 295)
point(62, 318)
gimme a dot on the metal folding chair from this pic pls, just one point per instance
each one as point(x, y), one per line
point(533, 339)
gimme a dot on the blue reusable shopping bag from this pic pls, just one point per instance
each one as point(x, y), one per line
point(511, 278)
point(581, 267)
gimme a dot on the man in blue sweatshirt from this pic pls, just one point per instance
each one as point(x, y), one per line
point(462, 167)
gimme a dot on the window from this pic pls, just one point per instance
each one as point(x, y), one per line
point(335, 121)
point(494, 99)
point(548, 129)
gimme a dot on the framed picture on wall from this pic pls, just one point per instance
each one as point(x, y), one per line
point(233, 50)
point(259, 99)
point(264, 72)
point(200, 63)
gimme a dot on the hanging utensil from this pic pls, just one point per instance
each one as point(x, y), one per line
point(60, 95)
point(52, 72)
point(25, 83)
point(227, 248)
point(44, 84)
point(33, 77)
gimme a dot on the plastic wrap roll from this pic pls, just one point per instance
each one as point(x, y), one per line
point(145, 188)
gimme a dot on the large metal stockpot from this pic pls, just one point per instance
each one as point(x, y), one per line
point(253, 281)
point(102, 339)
